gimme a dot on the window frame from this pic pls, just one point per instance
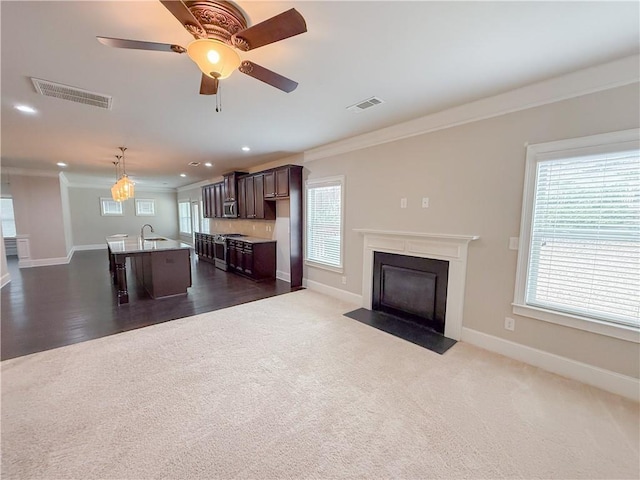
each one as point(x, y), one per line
point(151, 201)
point(13, 218)
point(186, 234)
point(109, 200)
point(315, 183)
point(595, 144)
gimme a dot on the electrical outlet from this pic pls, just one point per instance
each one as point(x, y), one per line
point(509, 323)
point(403, 202)
point(425, 202)
point(513, 243)
point(344, 280)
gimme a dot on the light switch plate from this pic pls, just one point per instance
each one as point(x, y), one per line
point(425, 202)
point(513, 243)
point(403, 202)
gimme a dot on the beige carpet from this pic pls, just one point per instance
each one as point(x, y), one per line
point(289, 388)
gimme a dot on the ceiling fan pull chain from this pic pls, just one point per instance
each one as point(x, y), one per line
point(219, 100)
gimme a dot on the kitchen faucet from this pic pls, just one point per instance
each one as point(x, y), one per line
point(142, 230)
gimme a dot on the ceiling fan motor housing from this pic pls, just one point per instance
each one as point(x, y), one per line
point(221, 20)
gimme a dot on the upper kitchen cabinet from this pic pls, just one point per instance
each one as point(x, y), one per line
point(212, 200)
point(276, 183)
point(252, 202)
point(217, 199)
point(230, 189)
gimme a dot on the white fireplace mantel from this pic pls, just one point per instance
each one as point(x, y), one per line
point(452, 248)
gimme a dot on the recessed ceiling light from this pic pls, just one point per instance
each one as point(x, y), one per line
point(183, 174)
point(208, 164)
point(245, 149)
point(25, 109)
point(61, 164)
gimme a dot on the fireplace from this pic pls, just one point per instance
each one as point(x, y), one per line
point(452, 248)
point(411, 288)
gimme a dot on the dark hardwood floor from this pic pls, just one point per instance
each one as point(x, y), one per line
point(49, 307)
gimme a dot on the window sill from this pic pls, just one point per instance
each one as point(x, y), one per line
point(323, 266)
point(622, 332)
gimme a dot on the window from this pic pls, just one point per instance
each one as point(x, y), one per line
point(145, 207)
point(109, 207)
point(8, 218)
point(579, 259)
point(195, 216)
point(324, 219)
point(184, 215)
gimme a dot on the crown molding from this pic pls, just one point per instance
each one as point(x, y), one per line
point(191, 186)
point(103, 186)
point(624, 71)
point(29, 172)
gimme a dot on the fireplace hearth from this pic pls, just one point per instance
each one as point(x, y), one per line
point(409, 299)
point(452, 248)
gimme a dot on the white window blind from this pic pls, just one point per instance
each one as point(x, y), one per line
point(324, 223)
point(110, 207)
point(584, 253)
point(184, 214)
point(8, 217)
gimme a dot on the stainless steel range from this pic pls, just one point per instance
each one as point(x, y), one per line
point(221, 249)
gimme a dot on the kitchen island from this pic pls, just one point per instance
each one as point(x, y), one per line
point(161, 265)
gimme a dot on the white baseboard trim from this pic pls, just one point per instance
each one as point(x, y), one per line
point(286, 276)
point(98, 246)
point(333, 292)
point(617, 383)
point(45, 262)
point(6, 278)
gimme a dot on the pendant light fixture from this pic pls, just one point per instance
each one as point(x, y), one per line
point(115, 189)
point(125, 185)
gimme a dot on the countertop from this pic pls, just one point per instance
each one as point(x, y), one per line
point(253, 239)
point(118, 244)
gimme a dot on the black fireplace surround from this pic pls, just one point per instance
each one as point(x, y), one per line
point(412, 288)
point(409, 299)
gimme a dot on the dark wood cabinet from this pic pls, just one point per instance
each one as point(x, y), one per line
point(276, 183)
point(206, 202)
point(212, 200)
point(250, 197)
point(230, 186)
point(251, 201)
point(204, 246)
point(218, 209)
point(242, 198)
point(254, 260)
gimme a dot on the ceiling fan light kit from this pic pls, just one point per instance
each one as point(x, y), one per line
point(219, 27)
point(214, 58)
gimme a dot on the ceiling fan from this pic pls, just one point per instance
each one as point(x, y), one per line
point(219, 27)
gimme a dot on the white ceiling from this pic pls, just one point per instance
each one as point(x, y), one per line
point(419, 57)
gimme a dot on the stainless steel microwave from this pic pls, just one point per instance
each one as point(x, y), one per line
point(230, 209)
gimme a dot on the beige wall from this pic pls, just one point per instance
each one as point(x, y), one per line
point(89, 227)
point(37, 205)
point(473, 175)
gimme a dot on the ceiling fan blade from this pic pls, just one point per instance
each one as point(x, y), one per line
point(140, 45)
point(208, 85)
point(277, 28)
point(179, 10)
point(267, 76)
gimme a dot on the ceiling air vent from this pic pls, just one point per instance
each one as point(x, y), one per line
point(363, 105)
point(65, 92)
point(194, 164)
